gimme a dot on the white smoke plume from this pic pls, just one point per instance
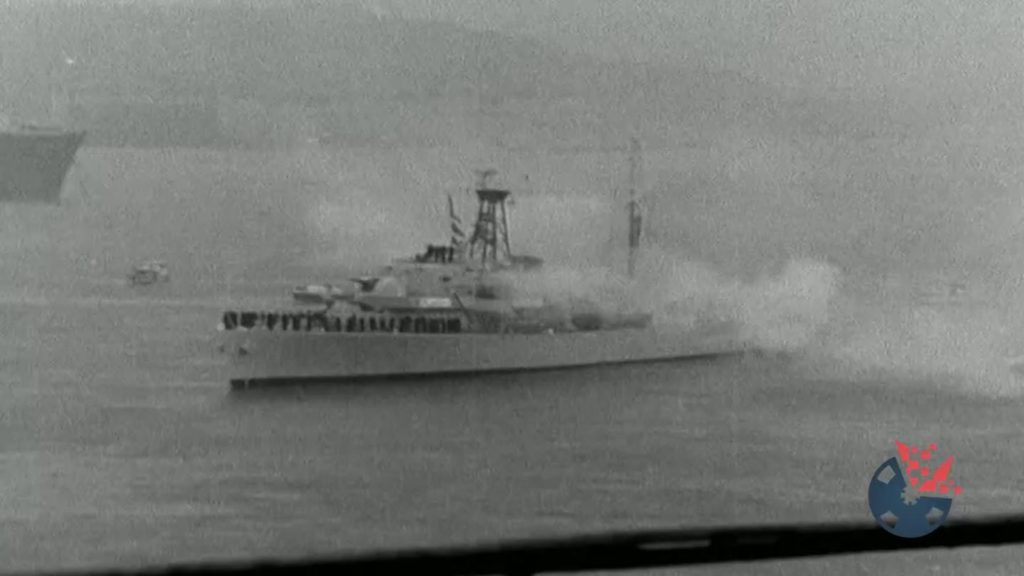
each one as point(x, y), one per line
point(781, 312)
point(968, 346)
point(786, 311)
point(803, 311)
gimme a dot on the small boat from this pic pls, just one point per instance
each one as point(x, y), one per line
point(951, 293)
point(150, 272)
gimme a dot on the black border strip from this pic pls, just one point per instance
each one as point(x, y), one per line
point(630, 550)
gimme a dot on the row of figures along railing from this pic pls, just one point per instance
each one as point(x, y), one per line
point(438, 254)
point(322, 322)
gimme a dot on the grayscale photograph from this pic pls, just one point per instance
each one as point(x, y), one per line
point(504, 287)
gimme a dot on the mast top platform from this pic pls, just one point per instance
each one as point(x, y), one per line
point(492, 194)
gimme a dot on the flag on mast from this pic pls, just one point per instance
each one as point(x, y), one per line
point(458, 236)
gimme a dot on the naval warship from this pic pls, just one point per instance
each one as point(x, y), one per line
point(34, 161)
point(456, 308)
point(36, 156)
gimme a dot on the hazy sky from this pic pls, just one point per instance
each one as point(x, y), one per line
point(897, 198)
point(920, 48)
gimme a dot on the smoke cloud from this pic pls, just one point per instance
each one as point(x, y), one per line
point(964, 345)
point(780, 312)
point(835, 326)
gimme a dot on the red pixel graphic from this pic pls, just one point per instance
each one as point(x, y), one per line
point(930, 480)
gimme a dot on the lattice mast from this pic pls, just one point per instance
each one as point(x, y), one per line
point(490, 240)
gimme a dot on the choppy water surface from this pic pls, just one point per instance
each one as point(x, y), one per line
point(122, 445)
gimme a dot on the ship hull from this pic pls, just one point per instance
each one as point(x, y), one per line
point(34, 164)
point(265, 357)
